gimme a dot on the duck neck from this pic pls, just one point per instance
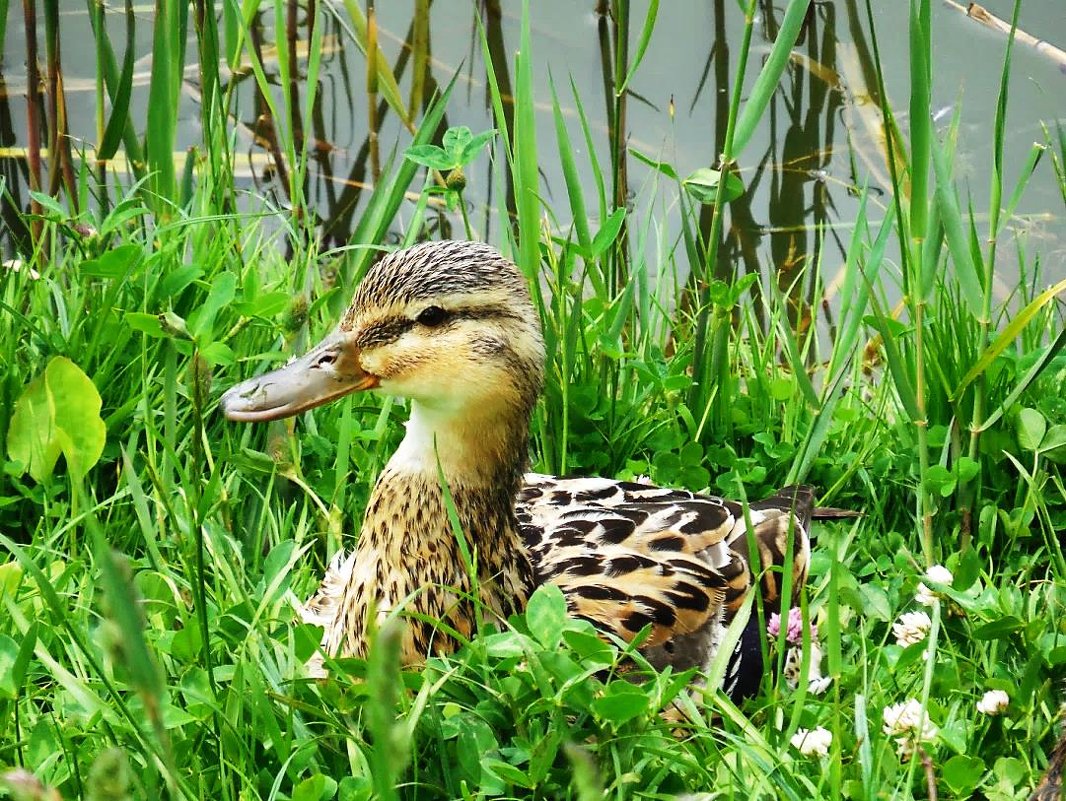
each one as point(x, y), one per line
point(409, 555)
point(485, 450)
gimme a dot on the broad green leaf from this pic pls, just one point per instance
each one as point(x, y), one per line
point(998, 629)
point(57, 414)
point(455, 139)
point(967, 468)
point(940, 481)
point(113, 264)
point(178, 279)
point(354, 788)
point(506, 771)
point(264, 304)
point(9, 680)
point(589, 647)
point(622, 702)
point(315, 788)
point(1031, 427)
point(473, 147)
point(607, 234)
point(10, 578)
point(546, 614)
point(1053, 445)
point(703, 185)
point(506, 644)
point(430, 156)
point(218, 353)
point(145, 323)
point(49, 203)
point(876, 602)
point(223, 289)
point(14, 657)
point(968, 569)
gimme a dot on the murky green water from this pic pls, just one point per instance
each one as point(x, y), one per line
point(818, 141)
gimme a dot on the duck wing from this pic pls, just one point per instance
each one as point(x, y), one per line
point(627, 555)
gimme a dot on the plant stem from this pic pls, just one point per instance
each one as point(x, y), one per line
point(33, 125)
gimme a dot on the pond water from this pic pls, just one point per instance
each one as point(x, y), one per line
point(817, 142)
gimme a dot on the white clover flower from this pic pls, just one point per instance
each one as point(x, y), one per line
point(937, 573)
point(911, 627)
point(993, 702)
point(909, 724)
point(812, 742)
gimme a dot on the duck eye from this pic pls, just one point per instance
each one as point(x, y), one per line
point(432, 316)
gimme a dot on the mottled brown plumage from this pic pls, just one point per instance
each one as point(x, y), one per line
point(450, 325)
point(1050, 787)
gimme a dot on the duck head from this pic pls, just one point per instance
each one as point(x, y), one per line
point(449, 325)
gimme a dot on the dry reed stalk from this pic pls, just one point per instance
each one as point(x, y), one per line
point(979, 13)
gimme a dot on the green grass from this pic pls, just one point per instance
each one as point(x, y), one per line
point(148, 641)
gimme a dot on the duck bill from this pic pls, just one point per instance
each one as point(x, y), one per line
point(328, 371)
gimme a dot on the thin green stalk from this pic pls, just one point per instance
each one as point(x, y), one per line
point(921, 424)
point(994, 209)
point(3, 27)
point(917, 395)
point(372, 89)
point(200, 381)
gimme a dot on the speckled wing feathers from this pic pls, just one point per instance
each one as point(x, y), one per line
point(627, 555)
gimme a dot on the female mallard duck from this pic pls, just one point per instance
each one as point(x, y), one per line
point(451, 326)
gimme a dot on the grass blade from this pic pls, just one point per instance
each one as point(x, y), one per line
point(965, 270)
point(770, 76)
point(120, 99)
point(642, 44)
point(921, 122)
point(525, 173)
point(1009, 334)
point(1031, 375)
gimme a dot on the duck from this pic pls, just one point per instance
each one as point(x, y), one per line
point(451, 327)
point(1050, 787)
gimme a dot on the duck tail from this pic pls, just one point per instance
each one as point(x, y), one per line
point(1050, 787)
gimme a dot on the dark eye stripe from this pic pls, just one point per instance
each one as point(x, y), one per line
point(389, 330)
point(384, 331)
